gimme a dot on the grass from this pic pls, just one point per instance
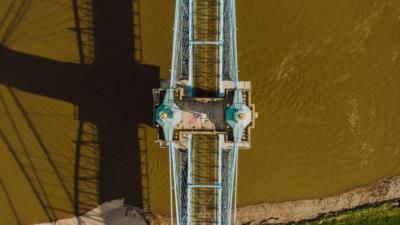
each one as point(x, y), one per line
point(384, 214)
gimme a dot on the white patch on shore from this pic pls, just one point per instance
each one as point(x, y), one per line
point(108, 213)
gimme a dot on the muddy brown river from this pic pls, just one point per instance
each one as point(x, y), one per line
point(326, 84)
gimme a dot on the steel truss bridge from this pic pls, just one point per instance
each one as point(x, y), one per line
point(204, 114)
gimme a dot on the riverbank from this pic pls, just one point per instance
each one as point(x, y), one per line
point(109, 213)
point(373, 200)
point(292, 211)
point(303, 210)
point(387, 213)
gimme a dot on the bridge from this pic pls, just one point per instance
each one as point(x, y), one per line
point(204, 114)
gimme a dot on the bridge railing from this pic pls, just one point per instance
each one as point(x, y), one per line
point(180, 55)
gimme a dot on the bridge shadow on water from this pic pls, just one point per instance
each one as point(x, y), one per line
point(113, 98)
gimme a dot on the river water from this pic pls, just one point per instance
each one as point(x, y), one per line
point(325, 78)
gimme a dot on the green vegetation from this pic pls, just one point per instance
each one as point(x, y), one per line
point(384, 214)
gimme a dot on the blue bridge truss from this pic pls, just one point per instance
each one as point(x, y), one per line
point(204, 114)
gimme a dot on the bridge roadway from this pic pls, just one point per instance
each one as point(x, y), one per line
point(204, 194)
point(204, 197)
point(205, 44)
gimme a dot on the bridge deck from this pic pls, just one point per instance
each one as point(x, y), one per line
point(205, 47)
point(203, 114)
point(204, 198)
point(204, 167)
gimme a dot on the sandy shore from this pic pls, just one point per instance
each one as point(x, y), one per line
point(115, 213)
point(293, 211)
point(384, 190)
point(109, 213)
